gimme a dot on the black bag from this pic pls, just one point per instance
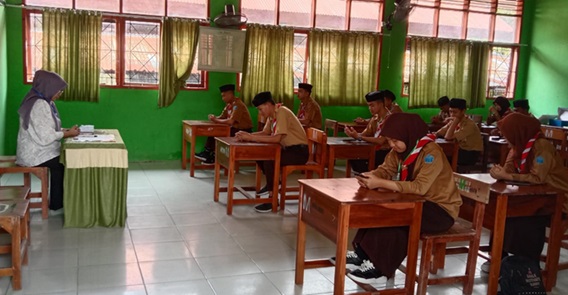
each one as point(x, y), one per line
point(520, 276)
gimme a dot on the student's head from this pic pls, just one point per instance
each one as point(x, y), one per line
point(48, 85)
point(518, 129)
point(402, 131)
point(264, 103)
point(457, 107)
point(227, 92)
point(304, 90)
point(375, 101)
point(521, 106)
point(502, 104)
point(389, 97)
point(444, 103)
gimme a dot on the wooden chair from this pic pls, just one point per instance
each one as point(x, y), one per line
point(331, 125)
point(15, 220)
point(8, 165)
point(434, 246)
point(562, 265)
point(317, 146)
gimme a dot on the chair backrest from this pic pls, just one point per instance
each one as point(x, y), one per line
point(558, 137)
point(331, 124)
point(317, 145)
point(477, 191)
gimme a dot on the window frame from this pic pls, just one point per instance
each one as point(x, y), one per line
point(312, 25)
point(493, 14)
point(120, 20)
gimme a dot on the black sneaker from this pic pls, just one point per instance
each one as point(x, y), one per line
point(210, 160)
point(203, 155)
point(263, 191)
point(352, 263)
point(366, 274)
point(263, 208)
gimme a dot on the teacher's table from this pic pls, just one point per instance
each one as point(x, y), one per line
point(332, 206)
point(509, 200)
point(228, 151)
point(350, 149)
point(192, 129)
point(95, 182)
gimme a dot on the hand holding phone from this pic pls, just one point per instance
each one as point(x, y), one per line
point(360, 175)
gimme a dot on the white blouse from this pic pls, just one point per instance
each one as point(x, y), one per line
point(41, 142)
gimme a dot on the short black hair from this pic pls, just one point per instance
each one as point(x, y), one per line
point(444, 100)
point(522, 103)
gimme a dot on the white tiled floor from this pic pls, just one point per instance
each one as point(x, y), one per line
point(178, 241)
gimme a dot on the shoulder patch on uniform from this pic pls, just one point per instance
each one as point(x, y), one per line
point(428, 159)
point(540, 160)
point(235, 107)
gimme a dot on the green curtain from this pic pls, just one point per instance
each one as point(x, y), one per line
point(456, 68)
point(269, 63)
point(71, 48)
point(179, 44)
point(343, 66)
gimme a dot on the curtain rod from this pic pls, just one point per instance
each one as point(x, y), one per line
point(463, 40)
point(104, 13)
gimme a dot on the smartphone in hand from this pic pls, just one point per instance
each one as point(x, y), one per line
point(360, 175)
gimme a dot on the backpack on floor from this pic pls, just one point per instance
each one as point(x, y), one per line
point(520, 276)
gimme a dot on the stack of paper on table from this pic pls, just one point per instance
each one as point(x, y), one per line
point(94, 138)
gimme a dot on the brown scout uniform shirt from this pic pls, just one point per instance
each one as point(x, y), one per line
point(239, 112)
point(288, 125)
point(433, 177)
point(312, 112)
point(546, 168)
point(467, 135)
point(371, 129)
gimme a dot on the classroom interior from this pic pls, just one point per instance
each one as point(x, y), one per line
point(177, 240)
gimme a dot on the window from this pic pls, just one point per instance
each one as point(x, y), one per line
point(495, 21)
point(351, 15)
point(129, 46)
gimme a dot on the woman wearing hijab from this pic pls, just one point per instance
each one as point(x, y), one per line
point(40, 131)
point(533, 159)
point(500, 108)
point(412, 166)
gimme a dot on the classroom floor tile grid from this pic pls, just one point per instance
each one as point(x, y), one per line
point(178, 241)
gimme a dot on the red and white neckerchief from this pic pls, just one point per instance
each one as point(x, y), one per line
point(278, 105)
point(525, 154)
point(414, 154)
point(302, 111)
point(229, 108)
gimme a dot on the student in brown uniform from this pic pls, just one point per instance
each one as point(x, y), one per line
point(309, 112)
point(464, 131)
point(376, 103)
point(415, 165)
point(444, 105)
point(392, 106)
point(500, 108)
point(235, 114)
point(283, 127)
point(532, 159)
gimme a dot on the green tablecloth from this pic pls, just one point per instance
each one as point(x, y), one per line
point(95, 182)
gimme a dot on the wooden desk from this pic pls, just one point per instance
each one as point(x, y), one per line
point(487, 128)
point(332, 206)
point(350, 149)
point(515, 201)
point(192, 129)
point(340, 127)
point(228, 151)
point(451, 150)
point(498, 146)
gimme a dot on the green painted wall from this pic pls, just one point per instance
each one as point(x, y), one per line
point(3, 77)
point(154, 134)
point(547, 86)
